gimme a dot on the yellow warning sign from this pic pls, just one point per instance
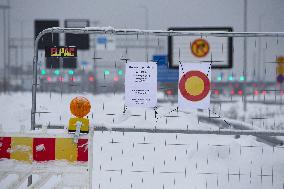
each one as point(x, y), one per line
point(200, 48)
point(72, 124)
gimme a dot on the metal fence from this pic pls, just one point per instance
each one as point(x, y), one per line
point(253, 83)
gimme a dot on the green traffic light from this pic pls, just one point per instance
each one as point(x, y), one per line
point(231, 78)
point(70, 72)
point(120, 72)
point(56, 72)
point(106, 72)
point(219, 78)
point(43, 72)
point(242, 78)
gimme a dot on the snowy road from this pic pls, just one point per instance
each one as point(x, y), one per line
point(148, 160)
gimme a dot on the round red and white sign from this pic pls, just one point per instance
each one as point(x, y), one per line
point(194, 85)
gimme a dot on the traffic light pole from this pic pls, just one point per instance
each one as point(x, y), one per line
point(134, 32)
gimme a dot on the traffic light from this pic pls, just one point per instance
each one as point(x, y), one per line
point(106, 72)
point(70, 72)
point(231, 78)
point(56, 72)
point(119, 72)
point(219, 78)
point(91, 78)
point(115, 78)
point(43, 72)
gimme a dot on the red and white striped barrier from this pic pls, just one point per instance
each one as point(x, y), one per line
point(47, 148)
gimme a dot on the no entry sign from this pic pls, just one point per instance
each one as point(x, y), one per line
point(200, 48)
point(194, 86)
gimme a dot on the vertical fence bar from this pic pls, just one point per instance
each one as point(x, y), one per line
point(245, 56)
point(90, 156)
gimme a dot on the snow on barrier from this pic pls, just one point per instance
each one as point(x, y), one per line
point(51, 159)
point(39, 149)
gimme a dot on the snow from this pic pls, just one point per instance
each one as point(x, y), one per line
point(143, 160)
point(40, 148)
point(191, 155)
point(106, 110)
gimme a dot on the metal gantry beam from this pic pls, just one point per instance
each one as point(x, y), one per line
point(137, 32)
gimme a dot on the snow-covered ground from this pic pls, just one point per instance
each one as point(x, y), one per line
point(143, 160)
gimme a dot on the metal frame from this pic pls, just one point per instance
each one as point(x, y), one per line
point(194, 131)
point(135, 32)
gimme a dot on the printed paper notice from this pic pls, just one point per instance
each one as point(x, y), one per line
point(141, 84)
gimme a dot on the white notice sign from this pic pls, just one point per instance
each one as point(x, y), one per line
point(141, 84)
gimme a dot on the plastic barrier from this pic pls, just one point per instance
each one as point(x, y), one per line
point(31, 149)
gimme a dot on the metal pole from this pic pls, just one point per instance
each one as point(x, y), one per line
point(258, 133)
point(90, 157)
point(34, 86)
point(5, 41)
point(245, 56)
point(259, 48)
point(22, 53)
point(134, 32)
point(113, 31)
point(5, 50)
point(146, 27)
point(8, 42)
